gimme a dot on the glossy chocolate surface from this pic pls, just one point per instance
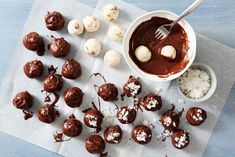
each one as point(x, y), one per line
point(33, 68)
point(95, 144)
point(196, 116)
point(158, 65)
point(54, 21)
point(34, 42)
point(142, 134)
point(72, 127)
point(73, 97)
point(71, 69)
point(59, 47)
point(23, 100)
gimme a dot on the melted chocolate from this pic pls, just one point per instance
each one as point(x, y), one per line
point(73, 97)
point(72, 127)
point(142, 134)
point(23, 100)
point(95, 144)
point(158, 65)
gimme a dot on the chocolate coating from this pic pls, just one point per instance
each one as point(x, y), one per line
point(73, 97)
point(59, 47)
point(72, 127)
point(93, 118)
point(126, 115)
point(144, 34)
point(71, 69)
point(52, 82)
point(95, 144)
point(34, 42)
point(23, 100)
point(108, 92)
point(46, 113)
point(113, 134)
point(132, 87)
point(142, 134)
point(54, 21)
point(33, 68)
point(180, 139)
point(152, 102)
point(170, 120)
point(196, 116)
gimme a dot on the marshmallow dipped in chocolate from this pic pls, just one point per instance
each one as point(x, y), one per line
point(107, 91)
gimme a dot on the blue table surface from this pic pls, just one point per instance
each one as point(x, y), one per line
point(214, 19)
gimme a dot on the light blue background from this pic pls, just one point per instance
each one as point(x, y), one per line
point(215, 19)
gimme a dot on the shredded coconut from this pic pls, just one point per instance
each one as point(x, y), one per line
point(134, 88)
point(112, 136)
point(141, 136)
point(123, 114)
point(195, 83)
point(152, 103)
point(167, 121)
point(198, 116)
point(181, 141)
point(92, 120)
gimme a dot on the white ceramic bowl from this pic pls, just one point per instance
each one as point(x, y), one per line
point(166, 14)
point(212, 87)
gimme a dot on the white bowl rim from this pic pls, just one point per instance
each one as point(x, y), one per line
point(213, 86)
point(135, 68)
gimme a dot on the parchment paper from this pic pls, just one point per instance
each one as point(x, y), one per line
point(216, 55)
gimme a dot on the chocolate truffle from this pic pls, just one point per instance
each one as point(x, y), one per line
point(132, 87)
point(142, 134)
point(59, 47)
point(108, 92)
point(95, 144)
point(47, 113)
point(71, 69)
point(180, 139)
point(126, 115)
point(113, 134)
point(54, 21)
point(52, 82)
point(93, 118)
point(23, 100)
point(152, 102)
point(33, 68)
point(34, 42)
point(196, 116)
point(170, 120)
point(72, 127)
point(73, 97)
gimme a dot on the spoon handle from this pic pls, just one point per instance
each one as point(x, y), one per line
point(191, 8)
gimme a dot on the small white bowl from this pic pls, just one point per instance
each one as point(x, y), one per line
point(213, 86)
point(166, 14)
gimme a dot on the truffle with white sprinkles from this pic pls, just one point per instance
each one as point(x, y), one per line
point(180, 139)
point(195, 83)
point(132, 87)
point(142, 134)
point(92, 47)
point(113, 134)
point(152, 102)
point(196, 116)
point(126, 115)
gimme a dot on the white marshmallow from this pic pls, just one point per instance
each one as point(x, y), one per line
point(75, 27)
point(92, 47)
point(116, 33)
point(110, 12)
point(169, 52)
point(112, 58)
point(91, 23)
point(143, 54)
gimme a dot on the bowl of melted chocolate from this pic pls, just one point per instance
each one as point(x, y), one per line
point(159, 60)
